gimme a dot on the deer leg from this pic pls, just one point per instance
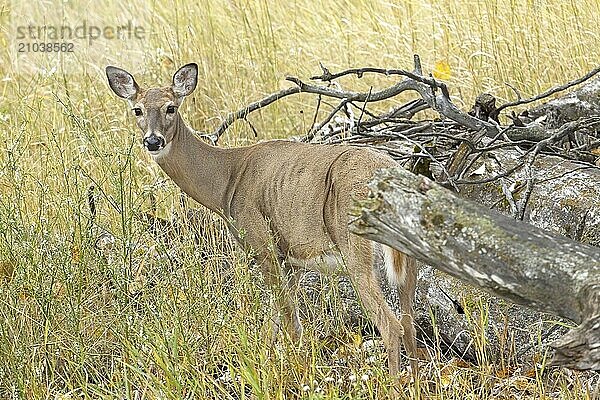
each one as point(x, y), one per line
point(282, 285)
point(406, 292)
point(380, 313)
point(365, 277)
point(291, 313)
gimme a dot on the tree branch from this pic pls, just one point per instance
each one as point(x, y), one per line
point(549, 92)
point(243, 113)
point(426, 87)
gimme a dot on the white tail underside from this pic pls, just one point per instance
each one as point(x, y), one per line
point(393, 277)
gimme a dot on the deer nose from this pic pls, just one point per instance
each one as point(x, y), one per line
point(154, 143)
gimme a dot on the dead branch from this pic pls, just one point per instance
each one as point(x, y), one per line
point(555, 136)
point(318, 127)
point(484, 110)
point(426, 87)
point(549, 92)
point(327, 76)
point(243, 113)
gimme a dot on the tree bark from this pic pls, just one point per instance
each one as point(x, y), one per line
point(511, 259)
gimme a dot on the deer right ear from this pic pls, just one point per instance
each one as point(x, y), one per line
point(122, 82)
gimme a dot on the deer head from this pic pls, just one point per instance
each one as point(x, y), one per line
point(156, 109)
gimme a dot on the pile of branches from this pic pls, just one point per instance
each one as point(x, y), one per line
point(447, 148)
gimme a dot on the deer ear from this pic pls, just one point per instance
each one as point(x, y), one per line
point(185, 80)
point(122, 82)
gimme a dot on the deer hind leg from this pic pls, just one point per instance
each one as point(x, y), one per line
point(365, 277)
point(402, 272)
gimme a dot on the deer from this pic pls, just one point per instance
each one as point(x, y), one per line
point(286, 202)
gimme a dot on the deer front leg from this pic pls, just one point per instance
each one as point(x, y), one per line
point(291, 313)
point(282, 282)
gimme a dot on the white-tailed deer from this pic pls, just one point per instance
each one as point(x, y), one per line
point(286, 201)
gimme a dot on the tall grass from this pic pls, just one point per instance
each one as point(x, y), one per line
point(141, 317)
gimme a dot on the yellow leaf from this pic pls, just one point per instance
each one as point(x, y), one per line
point(441, 70)
point(446, 380)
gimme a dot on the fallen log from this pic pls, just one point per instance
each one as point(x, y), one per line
point(565, 200)
point(508, 258)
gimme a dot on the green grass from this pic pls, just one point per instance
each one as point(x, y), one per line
point(145, 318)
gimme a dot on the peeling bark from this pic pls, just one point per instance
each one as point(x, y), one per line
point(514, 260)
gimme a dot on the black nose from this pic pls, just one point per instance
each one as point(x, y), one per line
point(154, 142)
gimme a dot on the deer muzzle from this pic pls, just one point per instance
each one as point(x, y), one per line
point(154, 143)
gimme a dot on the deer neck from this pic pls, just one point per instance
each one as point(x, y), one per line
point(202, 171)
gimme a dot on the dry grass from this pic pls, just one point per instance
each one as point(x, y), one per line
point(141, 318)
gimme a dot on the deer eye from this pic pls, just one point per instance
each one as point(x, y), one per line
point(138, 112)
point(170, 109)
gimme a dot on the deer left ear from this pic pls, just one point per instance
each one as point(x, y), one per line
point(185, 80)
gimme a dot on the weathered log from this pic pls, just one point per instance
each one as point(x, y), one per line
point(511, 259)
point(565, 198)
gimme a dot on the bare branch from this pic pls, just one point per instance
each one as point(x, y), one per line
point(353, 96)
point(362, 111)
point(424, 86)
point(359, 72)
point(550, 92)
point(241, 114)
